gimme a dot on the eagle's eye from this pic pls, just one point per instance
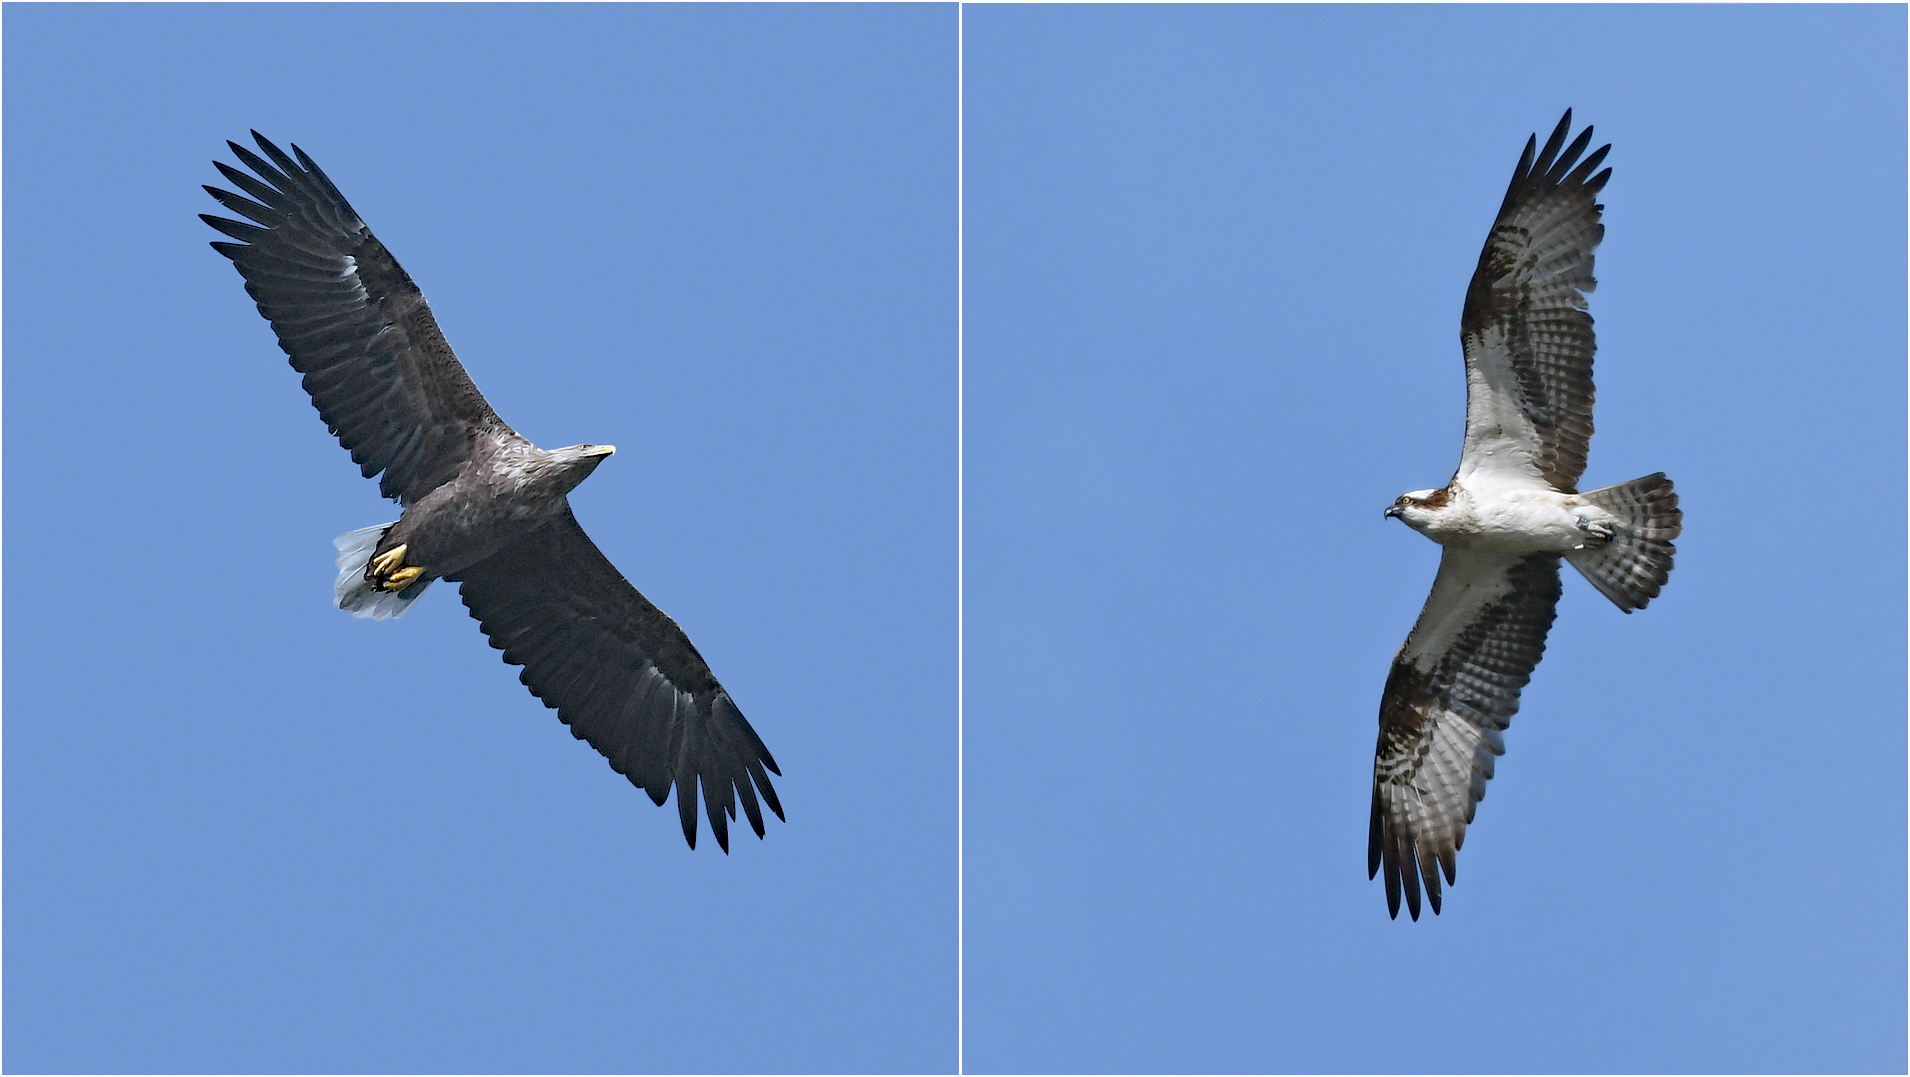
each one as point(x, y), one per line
point(1402, 502)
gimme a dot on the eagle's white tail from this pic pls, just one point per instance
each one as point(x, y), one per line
point(1632, 568)
point(355, 593)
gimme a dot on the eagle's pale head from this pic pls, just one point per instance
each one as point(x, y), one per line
point(1418, 508)
point(581, 460)
point(558, 471)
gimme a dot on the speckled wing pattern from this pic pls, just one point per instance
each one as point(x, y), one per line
point(621, 674)
point(351, 320)
point(1453, 688)
point(1525, 331)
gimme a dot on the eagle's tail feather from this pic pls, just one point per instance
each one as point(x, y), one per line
point(355, 593)
point(1632, 567)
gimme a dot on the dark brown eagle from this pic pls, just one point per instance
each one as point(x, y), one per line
point(1511, 511)
point(483, 507)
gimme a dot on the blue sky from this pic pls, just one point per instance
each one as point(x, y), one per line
point(1213, 260)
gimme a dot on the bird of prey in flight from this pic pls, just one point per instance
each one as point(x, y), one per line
point(483, 507)
point(1511, 511)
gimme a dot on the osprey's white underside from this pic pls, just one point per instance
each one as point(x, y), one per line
point(1491, 515)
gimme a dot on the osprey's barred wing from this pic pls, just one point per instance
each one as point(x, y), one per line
point(1526, 335)
point(377, 367)
point(621, 674)
point(1454, 686)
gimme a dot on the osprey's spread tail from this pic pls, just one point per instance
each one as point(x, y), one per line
point(355, 593)
point(1631, 567)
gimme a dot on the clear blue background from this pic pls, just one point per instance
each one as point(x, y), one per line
point(247, 832)
point(1214, 264)
point(1215, 258)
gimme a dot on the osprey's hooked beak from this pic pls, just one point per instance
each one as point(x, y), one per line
point(1392, 510)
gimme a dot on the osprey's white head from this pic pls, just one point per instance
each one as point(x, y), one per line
point(1419, 508)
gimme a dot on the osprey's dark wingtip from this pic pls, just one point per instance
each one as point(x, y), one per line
point(1520, 173)
point(1558, 137)
point(1375, 835)
point(1564, 163)
point(1552, 165)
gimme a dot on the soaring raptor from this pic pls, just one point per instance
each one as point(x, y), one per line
point(483, 507)
point(1511, 511)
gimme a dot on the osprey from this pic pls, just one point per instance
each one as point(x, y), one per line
point(483, 507)
point(1511, 511)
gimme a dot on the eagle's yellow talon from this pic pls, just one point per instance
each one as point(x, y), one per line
point(386, 564)
point(397, 580)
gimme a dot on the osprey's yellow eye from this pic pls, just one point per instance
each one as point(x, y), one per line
point(1402, 502)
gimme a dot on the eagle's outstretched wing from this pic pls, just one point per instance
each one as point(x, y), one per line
point(1527, 338)
point(377, 367)
point(621, 674)
point(1454, 686)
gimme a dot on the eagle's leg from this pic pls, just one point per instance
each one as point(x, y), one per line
point(388, 572)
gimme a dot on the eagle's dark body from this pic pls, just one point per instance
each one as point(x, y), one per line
point(506, 489)
point(483, 507)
